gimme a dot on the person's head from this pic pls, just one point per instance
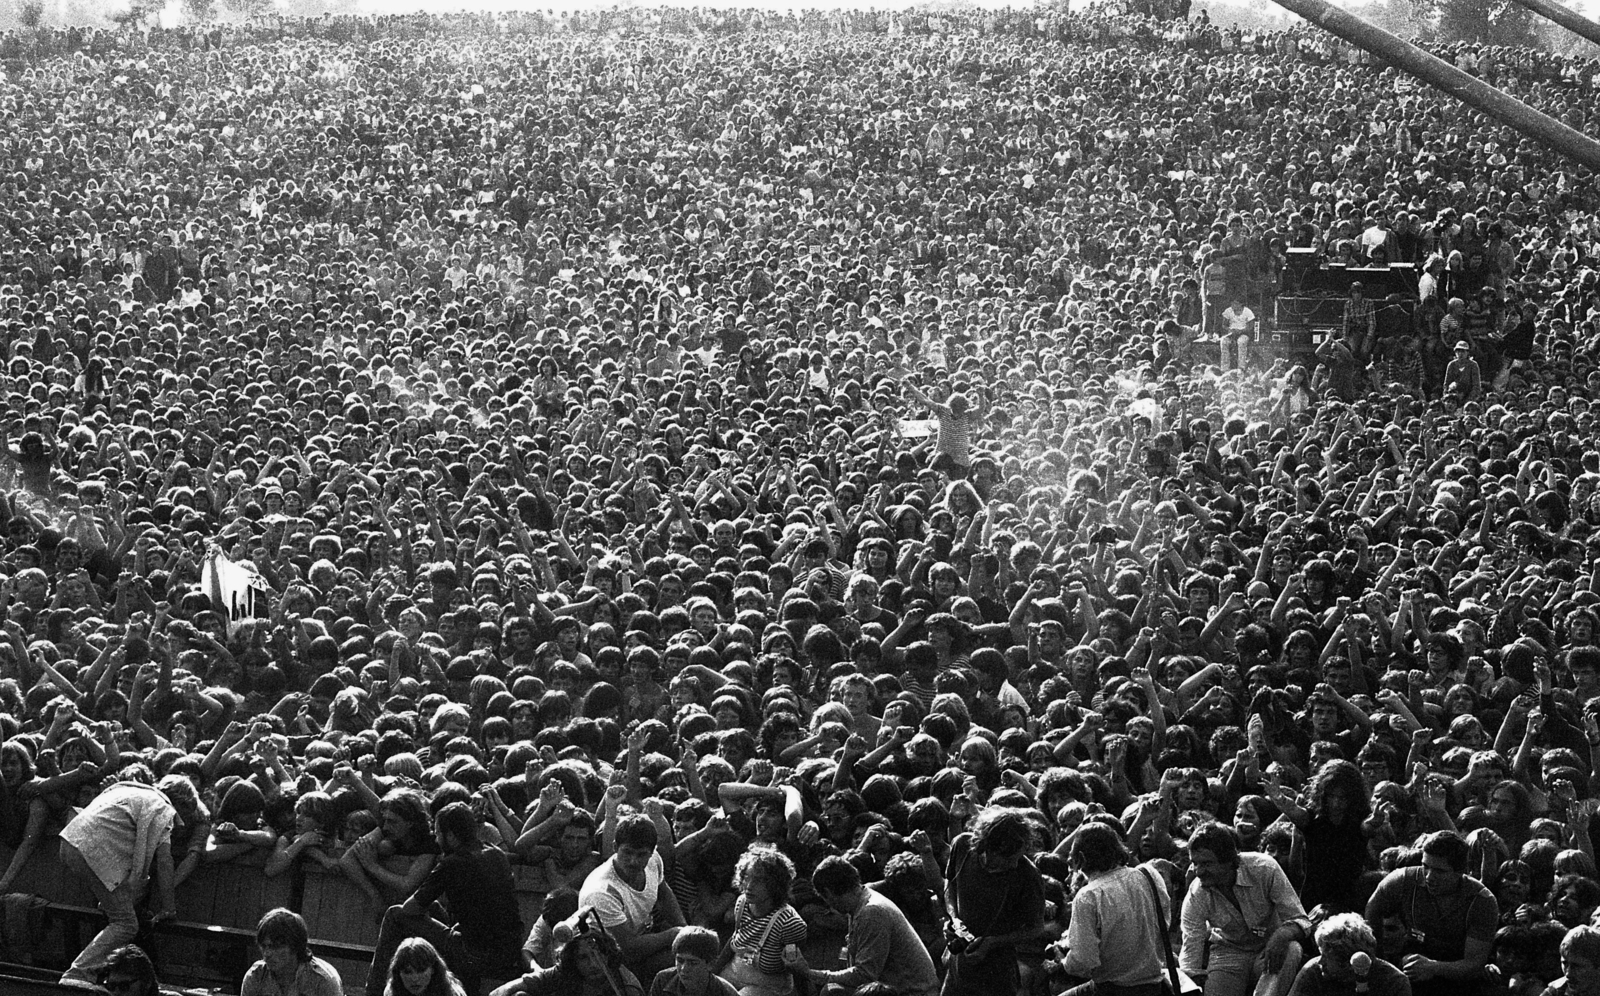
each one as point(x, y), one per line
point(1214, 854)
point(404, 816)
point(589, 953)
point(636, 841)
point(1444, 861)
point(1574, 898)
point(1580, 959)
point(1000, 836)
point(1339, 792)
point(837, 883)
point(978, 756)
point(16, 764)
point(1339, 938)
point(129, 972)
point(419, 970)
point(185, 798)
point(1509, 802)
point(765, 875)
point(283, 939)
point(694, 951)
point(455, 827)
point(1095, 848)
point(243, 804)
point(577, 837)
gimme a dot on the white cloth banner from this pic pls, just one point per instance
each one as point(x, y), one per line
point(237, 591)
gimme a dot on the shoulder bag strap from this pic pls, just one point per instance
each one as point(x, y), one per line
point(772, 921)
point(953, 878)
point(1161, 923)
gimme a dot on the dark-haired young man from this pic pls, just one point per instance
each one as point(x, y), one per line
point(882, 946)
point(479, 891)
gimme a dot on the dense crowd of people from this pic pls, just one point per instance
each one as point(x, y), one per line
point(767, 473)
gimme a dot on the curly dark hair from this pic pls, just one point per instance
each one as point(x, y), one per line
point(1345, 777)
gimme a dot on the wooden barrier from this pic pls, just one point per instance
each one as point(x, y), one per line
point(212, 942)
point(26, 980)
point(343, 921)
point(234, 893)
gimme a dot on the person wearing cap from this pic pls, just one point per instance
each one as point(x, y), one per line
point(1463, 381)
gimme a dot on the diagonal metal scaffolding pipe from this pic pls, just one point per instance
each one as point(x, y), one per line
point(1468, 89)
point(1569, 19)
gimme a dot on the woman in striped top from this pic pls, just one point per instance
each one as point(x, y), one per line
point(764, 922)
point(957, 422)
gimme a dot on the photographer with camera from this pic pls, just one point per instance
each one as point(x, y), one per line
point(995, 897)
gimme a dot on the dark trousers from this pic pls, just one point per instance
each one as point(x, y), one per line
point(399, 925)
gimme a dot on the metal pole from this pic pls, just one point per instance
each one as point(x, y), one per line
point(1569, 19)
point(1468, 89)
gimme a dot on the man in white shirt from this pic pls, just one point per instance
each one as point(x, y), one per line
point(1243, 925)
point(629, 896)
point(115, 844)
point(1375, 236)
point(1115, 936)
point(1238, 329)
point(1428, 285)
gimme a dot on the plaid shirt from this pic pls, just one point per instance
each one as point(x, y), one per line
point(1403, 366)
point(1358, 318)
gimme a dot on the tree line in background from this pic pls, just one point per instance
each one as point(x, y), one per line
point(32, 14)
point(1497, 22)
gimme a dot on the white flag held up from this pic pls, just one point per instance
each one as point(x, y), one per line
point(237, 591)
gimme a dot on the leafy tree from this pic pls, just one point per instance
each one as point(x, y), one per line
point(1497, 22)
point(249, 9)
point(139, 10)
point(199, 11)
point(31, 13)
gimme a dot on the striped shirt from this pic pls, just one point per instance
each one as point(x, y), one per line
point(787, 928)
point(955, 434)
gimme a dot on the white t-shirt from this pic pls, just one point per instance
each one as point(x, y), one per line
point(1238, 321)
point(616, 902)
